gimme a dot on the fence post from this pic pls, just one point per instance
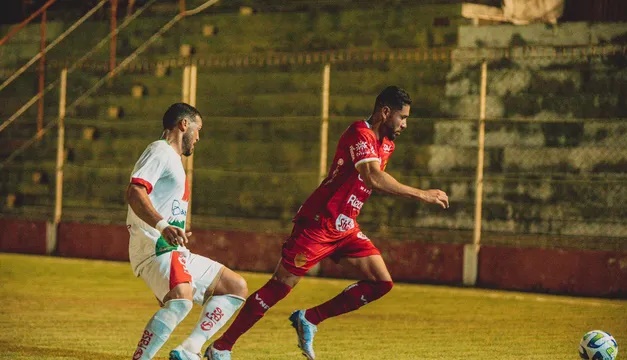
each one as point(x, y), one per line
point(52, 227)
point(190, 75)
point(324, 122)
point(42, 76)
point(114, 37)
point(471, 251)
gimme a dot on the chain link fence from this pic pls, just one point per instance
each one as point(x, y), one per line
point(555, 163)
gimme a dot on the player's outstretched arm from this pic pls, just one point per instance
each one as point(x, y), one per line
point(379, 180)
point(138, 200)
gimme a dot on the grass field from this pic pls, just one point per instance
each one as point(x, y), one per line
point(58, 308)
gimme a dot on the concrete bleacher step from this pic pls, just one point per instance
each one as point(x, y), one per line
point(574, 160)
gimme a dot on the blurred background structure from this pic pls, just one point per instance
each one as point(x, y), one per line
point(519, 114)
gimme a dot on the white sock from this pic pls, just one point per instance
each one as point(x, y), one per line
point(216, 312)
point(160, 326)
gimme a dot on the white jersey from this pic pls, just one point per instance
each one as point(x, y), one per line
point(160, 170)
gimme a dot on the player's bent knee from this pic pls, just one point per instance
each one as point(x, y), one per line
point(180, 291)
point(239, 287)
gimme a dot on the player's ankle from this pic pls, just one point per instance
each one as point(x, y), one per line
point(222, 345)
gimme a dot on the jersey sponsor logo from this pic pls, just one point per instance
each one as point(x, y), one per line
point(361, 149)
point(355, 202)
point(387, 148)
point(177, 209)
point(362, 236)
point(344, 223)
point(212, 319)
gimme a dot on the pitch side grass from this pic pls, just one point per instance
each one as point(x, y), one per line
point(59, 308)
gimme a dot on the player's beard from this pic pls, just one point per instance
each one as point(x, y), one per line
point(390, 133)
point(188, 144)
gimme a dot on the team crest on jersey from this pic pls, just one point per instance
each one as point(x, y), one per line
point(344, 223)
point(300, 260)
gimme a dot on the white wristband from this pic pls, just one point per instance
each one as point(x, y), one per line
point(162, 224)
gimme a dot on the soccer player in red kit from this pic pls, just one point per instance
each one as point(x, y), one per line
point(326, 226)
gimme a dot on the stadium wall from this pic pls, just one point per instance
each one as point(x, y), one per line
point(559, 271)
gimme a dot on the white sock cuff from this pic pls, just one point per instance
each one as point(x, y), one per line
point(234, 299)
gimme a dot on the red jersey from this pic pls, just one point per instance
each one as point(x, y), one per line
point(341, 195)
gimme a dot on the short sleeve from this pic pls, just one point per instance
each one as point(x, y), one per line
point(149, 168)
point(361, 146)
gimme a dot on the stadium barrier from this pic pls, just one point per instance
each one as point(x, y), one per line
point(556, 271)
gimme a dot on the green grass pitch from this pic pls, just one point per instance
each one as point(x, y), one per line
point(58, 308)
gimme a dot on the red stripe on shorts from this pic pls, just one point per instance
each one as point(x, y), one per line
point(178, 269)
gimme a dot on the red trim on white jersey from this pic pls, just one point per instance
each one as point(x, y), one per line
point(142, 182)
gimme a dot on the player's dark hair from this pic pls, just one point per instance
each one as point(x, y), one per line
point(177, 112)
point(392, 96)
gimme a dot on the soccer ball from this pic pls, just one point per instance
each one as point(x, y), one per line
point(598, 345)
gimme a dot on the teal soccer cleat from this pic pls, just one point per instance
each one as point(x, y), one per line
point(214, 354)
point(181, 354)
point(305, 331)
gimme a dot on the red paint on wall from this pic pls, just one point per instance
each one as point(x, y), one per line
point(23, 236)
point(579, 272)
point(93, 241)
point(241, 250)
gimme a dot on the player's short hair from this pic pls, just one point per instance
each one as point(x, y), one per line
point(177, 112)
point(392, 96)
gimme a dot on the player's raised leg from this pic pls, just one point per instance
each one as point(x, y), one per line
point(378, 283)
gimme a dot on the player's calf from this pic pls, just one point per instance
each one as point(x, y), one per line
point(160, 326)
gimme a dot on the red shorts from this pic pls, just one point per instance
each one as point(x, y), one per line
point(310, 242)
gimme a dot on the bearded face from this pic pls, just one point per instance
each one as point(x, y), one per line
point(191, 136)
point(188, 142)
point(395, 122)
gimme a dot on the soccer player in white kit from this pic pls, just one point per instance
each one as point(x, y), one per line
point(158, 196)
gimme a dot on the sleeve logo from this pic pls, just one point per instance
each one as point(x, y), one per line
point(362, 149)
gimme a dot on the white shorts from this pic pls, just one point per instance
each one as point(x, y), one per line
point(165, 271)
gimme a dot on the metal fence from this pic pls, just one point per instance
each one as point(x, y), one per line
point(545, 144)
